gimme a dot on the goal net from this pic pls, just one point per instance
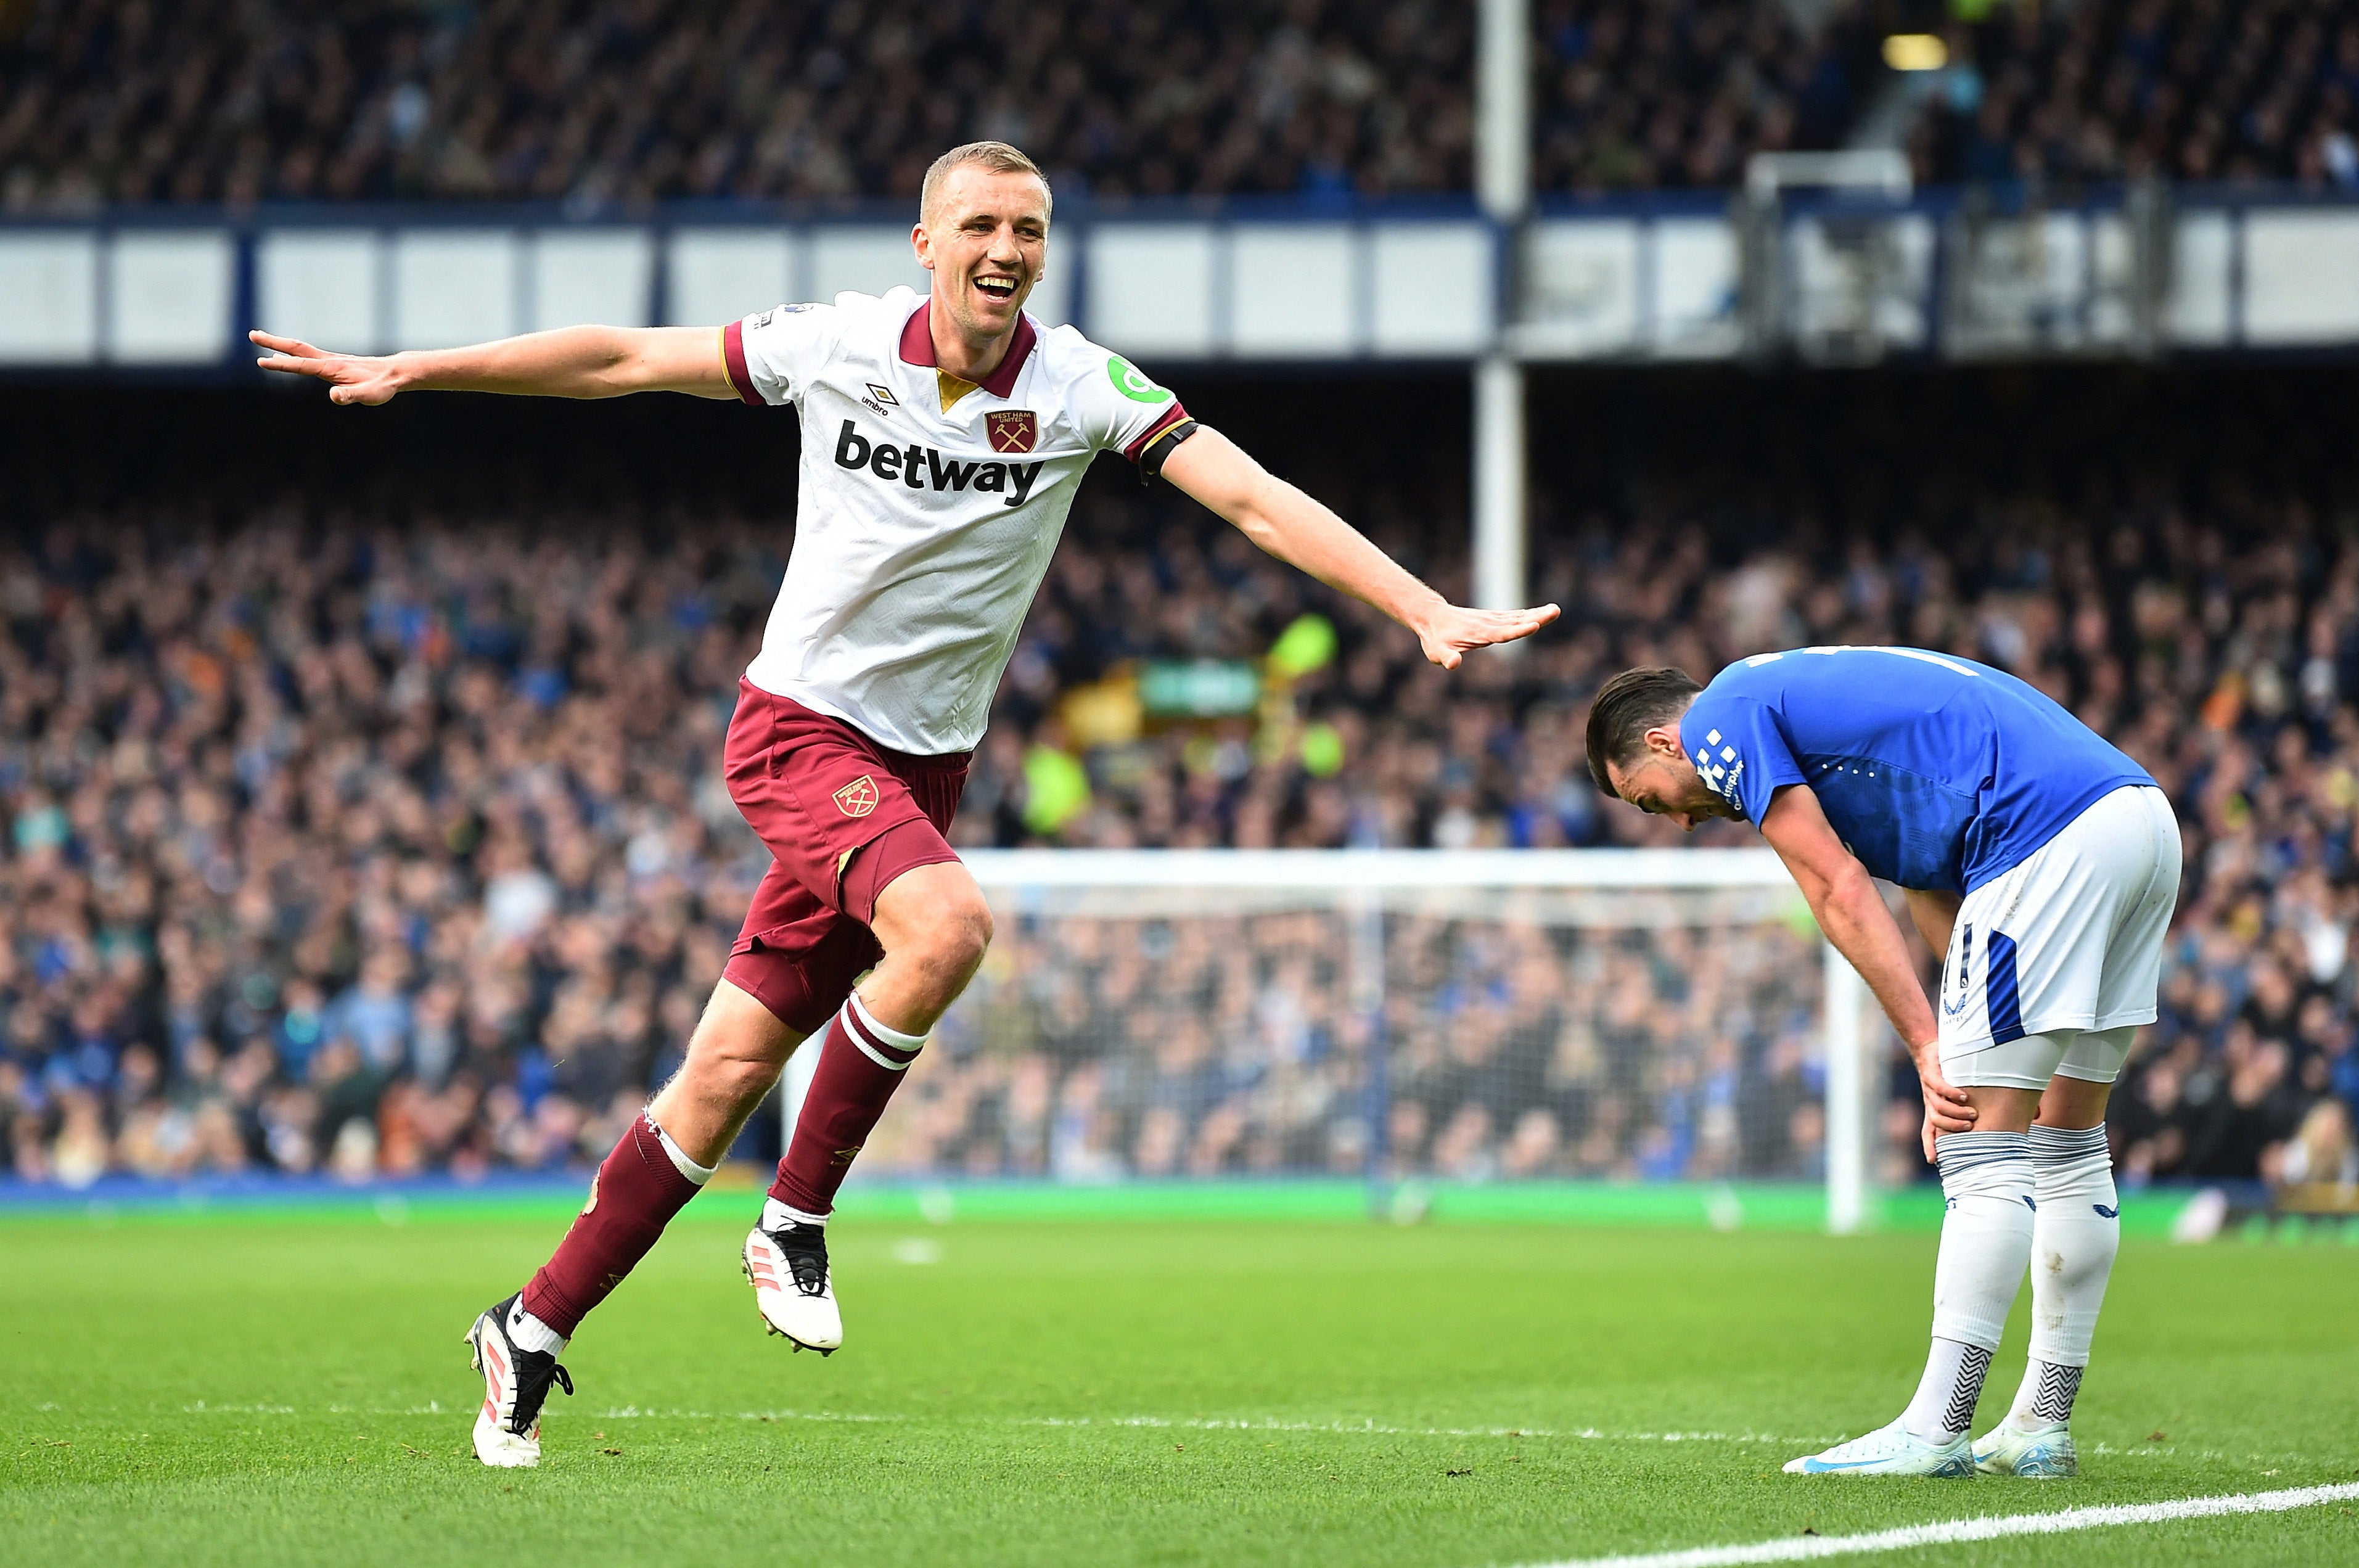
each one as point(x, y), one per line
point(1396, 1017)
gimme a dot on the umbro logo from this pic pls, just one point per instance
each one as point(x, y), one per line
point(880, 400)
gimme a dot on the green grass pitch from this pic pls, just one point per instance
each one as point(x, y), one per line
point(252, 1391)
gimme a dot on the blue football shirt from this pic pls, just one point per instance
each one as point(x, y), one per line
point(1938, 773)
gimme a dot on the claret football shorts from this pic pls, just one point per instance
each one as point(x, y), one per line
point(2054, 964)
point(841, 816)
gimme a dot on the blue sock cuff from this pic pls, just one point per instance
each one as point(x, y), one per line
point(2066, 1146)
point(1959, 1153)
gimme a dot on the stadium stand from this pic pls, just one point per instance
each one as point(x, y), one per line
point(594, 102)
point(563, 99)
point(372, 826)
point(2122, 88)
point(1632, 97)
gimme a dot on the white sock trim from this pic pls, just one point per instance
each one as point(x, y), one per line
point(888, 1036)
point(530, 1333)
point(861, 1026)
point(776, 1216)
point(700, 1174)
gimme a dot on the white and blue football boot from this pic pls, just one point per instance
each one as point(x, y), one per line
point(2043, 1453)
point(1891, 1451)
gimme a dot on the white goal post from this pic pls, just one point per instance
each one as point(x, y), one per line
point(1396, 1013)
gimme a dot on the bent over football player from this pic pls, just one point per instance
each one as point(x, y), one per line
point(2044, 864)
point(942, 440)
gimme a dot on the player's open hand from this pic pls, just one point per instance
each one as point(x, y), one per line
point(351, 378)
point(1946, 1109)
point(1453, 631)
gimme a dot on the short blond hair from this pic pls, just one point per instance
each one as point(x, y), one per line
point(997, 157)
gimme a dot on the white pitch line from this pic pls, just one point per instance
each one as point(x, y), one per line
point(1910, 1538)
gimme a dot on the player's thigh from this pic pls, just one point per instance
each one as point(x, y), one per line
point(796, 959)
point(2132, 965)
point(814, 791)
point(932, 904)
point(2076, 1097)
point(2027, 952)
point(2025, 1063)
point(738, 1030)
point(2095, 1058)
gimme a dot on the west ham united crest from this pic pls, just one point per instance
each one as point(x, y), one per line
point(1012, 429)
point(858, 798)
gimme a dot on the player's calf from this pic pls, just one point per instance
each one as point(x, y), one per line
point(2074, 1241)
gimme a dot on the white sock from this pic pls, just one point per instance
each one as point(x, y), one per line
point(1986, 1178)
point(700, 1174)
point(1944, 1402)
point(530, 1333)
point(2072, 1248)
point(776, 1216)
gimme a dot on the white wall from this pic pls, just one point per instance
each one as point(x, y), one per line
point(1636, 287)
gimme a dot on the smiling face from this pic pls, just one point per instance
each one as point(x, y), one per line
point(985, 239)
point(1661, 781)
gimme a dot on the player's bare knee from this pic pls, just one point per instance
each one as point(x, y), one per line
point(742, 1080)
point(952, 948)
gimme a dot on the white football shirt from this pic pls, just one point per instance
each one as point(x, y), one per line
point(923, 531)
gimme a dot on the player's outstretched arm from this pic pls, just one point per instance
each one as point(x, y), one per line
point(572, 362)
point(1297, 530)
point(1842, 896)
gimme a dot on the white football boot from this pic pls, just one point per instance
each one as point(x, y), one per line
point(792, 1286)
point(516, 1385)
point(2043, 1453)
point(1890, 1450)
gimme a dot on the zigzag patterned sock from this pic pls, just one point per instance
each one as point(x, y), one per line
point(2052, 1402)
point(1946, 1395)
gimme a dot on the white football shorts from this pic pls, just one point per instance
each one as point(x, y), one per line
point(2052, 967)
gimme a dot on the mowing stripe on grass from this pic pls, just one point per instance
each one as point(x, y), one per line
point(1910, 1538)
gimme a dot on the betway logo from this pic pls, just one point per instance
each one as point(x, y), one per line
point(922, 468)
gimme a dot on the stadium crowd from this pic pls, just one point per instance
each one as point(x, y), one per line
point(593, 102)
point(1635, 97)
point(600, 102)
point(373, 836)
point(597, 102)
point(2257, 90)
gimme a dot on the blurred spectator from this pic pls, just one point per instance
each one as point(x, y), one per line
point(592, 102)
point(1634, 96)
point(2116, 89)
point(378, 834)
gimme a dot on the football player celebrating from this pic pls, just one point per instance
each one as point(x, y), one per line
point(942, 440)
point(2045, 865)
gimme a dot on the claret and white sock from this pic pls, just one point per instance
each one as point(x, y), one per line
point(700, 1174)
point(2073, 1247)
point(776, 1216)
point(530, 1333)
point(1988, 1183)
